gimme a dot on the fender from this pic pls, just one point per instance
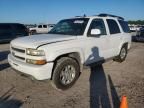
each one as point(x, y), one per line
point(51, 56)
point(126, 39)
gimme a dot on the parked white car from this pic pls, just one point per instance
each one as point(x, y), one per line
point(72, 43)
point(41, 28)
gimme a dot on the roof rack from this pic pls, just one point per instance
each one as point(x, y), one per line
point(106, 15)
point(81, 16)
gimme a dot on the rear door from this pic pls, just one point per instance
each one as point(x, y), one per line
point(115, 36)
point(45, 28)
point(40, 29)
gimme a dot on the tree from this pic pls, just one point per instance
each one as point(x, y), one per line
point(139, 22)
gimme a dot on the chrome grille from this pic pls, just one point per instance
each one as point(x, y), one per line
point(18, 53)
point(18, 50)
point(22, 58)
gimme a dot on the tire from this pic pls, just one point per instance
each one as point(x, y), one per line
point(33, 32)
point(65, 73)
point(122, 55)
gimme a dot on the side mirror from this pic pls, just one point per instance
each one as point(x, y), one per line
point(95, 32)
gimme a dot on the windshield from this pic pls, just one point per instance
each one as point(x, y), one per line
point(70, 27)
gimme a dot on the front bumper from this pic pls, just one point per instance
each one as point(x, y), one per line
point(39, 72)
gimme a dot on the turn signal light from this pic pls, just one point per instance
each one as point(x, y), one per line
point(37, 62)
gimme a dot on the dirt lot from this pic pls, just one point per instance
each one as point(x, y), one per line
point(98, 87)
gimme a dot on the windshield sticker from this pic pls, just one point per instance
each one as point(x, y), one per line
point(78, 21)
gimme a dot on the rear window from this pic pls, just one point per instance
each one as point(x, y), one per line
point(20, 30)
point(124, 26)
point(20, 27)
point(113, 26)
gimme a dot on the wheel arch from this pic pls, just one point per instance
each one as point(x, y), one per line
point(122, 45)
point(74, 55)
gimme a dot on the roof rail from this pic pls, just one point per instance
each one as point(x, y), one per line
point(81, 16)
point(106, 15)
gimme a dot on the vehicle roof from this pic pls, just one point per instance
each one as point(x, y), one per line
point(92, 17)
point(103, 15)
point(12, 23)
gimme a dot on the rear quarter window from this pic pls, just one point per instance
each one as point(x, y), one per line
point(20, 27)
point(124, 26)
point(20, 30)
point(44, 26)
point(113, 26)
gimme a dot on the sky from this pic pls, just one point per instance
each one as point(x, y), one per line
point(51, 11)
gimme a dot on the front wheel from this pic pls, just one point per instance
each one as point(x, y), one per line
point(66, 72)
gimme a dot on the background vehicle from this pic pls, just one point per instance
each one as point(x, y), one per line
point(72, 43)
point(9, 31)
point(140, 37)
point(142, 31)
point(42, 28)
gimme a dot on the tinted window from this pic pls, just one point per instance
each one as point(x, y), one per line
point(70, 27)
point(5, 32)
point(98, 24)
point(51, 26)
point(124, 26)
point(40, 26)
point(113, 26)
point(19, 27)
point(44, 26)
point(20, 30)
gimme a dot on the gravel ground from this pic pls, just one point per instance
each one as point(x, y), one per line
point(97, 87)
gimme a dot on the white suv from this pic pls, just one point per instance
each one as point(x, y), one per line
point(41, 28)
point(72, 43)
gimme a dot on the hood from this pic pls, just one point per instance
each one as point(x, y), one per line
point(35, 41)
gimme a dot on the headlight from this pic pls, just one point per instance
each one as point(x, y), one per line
point(34, 52)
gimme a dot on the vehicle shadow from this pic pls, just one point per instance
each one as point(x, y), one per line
point(114, 95)
point(7, 102)
point(99, 95)
point(10, 103)
point(4, 66)
point(3, 55)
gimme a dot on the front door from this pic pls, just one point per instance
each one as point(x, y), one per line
point(97, 46)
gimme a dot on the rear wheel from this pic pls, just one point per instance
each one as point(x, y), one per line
point(33, 32)
point(122, 55)
point(66, 72)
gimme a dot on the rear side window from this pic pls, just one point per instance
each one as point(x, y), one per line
point(20, 30)
point(40, 26)
point(44, 26)
point(113, 26)
point(124, 26)
point(20, 27)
